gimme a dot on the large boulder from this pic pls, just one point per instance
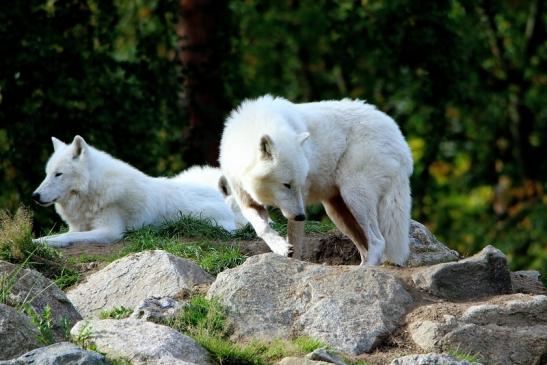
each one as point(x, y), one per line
point(17, 334)
point(504, 330)
point(133, 278)
point(31, 287)
point(483, 274)
point(431, 359)
point(351, 308)
point(141, 342)
point(63, 353)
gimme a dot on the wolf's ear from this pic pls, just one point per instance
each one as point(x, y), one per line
point(302, 137)
point(80, 147)
point(57, 143)
point(266, 147)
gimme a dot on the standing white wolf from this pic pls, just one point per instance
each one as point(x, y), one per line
point(345, 154)
point(100, 197)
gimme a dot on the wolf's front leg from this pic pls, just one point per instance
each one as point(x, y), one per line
point(295, 237)
point(97, 236)
point(258, 217)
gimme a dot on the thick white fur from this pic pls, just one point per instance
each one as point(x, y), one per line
point(345, 154)
point(211, 176)
point(101, 197)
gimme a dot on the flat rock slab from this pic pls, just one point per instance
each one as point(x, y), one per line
point(503, 330)
point(38, 291)
point(483, 274)
point(17, 334)
point(430, 359)
point(133, 278)
point(63, 353)
point(351, 308)
point(141, 342)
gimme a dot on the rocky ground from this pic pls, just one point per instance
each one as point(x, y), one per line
point(438, 309)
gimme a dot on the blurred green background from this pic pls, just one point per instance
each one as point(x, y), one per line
point(465, 80)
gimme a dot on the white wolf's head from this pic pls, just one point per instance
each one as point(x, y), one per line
point(279, 176)
point(66, 172)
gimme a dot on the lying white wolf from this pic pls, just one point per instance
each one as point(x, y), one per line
point(100, 197)
point(345, 154)
point(212, 176)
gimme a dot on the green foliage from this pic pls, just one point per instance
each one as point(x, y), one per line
point(43, 322)
point(116, 313)
point(463, 356)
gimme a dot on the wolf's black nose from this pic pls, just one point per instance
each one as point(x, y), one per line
point(36, 197)
point(300, 218)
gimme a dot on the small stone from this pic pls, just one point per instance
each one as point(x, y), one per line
point(301, 361)
point(322, 354)
point(157, 309)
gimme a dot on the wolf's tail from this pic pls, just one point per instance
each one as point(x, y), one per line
point(394, 219)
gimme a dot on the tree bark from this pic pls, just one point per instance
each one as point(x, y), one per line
point(204, 44)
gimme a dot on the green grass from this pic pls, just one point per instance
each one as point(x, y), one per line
point(116, 313)
point(463, 356)
point(213, 258)
point(205, 321)
point(43, 322)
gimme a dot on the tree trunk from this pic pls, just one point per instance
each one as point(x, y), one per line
point(203, 46)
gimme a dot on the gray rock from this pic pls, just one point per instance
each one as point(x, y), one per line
point(425, 249)
point(431, 359)
point(63, 353)
point(17, 334)
point(485, 273)
point(322, 354)
point(38, 291)
point(506, 330)
point(141, 342)
point(133, 278)
point(157, 309)
point(533, 275)
point(301, 361)
point(351, 308)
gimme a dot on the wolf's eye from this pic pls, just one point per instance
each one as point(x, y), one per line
point(288, 186)
point(58, 174)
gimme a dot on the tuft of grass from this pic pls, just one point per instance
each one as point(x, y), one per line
point(463, 356)
point(17, 247)
point(83, 338)
point(205, 320)
point(308, 344)
point(116, 313)
point(43, 322)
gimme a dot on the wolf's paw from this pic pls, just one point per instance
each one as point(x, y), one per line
point(283, 248)
point(51, 243)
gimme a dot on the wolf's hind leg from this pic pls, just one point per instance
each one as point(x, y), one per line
point(339, 213)
point(362, 201)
